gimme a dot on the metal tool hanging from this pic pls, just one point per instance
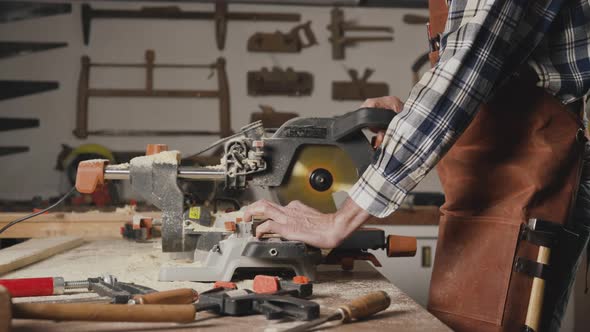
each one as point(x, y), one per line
point(17, 123)
point(22, 10)
point(221, 16)
point(12, 88)
point(278, 81)
point(9, 48)
point(340, 41)
point(285, 42)
point(359, 88)
point(85, 92)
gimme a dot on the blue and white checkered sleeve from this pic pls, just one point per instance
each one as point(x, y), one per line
point(482, 45)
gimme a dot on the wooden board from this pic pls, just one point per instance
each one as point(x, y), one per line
point(87, 225)
point(35, 250)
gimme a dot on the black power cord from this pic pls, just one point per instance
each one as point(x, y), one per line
point(61, 200)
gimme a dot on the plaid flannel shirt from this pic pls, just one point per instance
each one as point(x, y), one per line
point(484, 43)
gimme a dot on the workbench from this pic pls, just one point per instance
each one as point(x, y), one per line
point(139, 263)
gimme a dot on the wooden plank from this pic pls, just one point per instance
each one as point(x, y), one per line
point(35, 250)
point(87, 225)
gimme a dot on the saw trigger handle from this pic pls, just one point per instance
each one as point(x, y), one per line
point(366, 117)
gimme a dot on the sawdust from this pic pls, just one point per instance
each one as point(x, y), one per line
point(164, 157)
point(119, 166)
point(127, 209)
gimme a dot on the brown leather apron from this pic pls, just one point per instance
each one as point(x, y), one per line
point(518, 159)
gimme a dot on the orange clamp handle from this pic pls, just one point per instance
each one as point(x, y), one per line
point(401, 246)
point(90, 175)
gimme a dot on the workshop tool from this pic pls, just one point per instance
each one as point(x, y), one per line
point(299, 286)
point(8, 150)
point(543, 234)
point(241, 302)
point(358, 88)
point(12, 89)
point(359, 308)
point(221, 16)
point(415, 19)
point(140, 229)
point(85, 92)
point(15, 48)
point(278, 81)
point(283, 42)
point(340, 41)
point(270, 117)
point(250, 158)
point(105, 286)
point(356, 247)
point(22, 10)
point(17, 123)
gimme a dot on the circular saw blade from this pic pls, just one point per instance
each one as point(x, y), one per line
point(317, 158)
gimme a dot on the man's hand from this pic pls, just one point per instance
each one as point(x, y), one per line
point(388, 102)
point(299, 222)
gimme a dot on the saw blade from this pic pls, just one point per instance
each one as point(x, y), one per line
point(319, 171)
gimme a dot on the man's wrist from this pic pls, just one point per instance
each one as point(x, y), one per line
point(347, 219)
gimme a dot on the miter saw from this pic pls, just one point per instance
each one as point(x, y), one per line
point(306, 159)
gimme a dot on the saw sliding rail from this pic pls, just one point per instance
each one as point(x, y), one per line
point(85, 92)
point(190, 173)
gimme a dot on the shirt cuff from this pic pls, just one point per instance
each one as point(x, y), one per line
point(374, 194)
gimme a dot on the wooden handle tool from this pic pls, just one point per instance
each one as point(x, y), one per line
point(180, 313)
point(359, 308)
point(175, 296)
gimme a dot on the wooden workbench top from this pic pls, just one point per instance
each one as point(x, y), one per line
point(139, 263)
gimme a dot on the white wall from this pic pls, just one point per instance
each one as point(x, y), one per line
point(25, 175)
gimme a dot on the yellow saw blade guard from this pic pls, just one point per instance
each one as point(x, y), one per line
point(319, 171)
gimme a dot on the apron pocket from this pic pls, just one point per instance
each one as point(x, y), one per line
point(473, 266)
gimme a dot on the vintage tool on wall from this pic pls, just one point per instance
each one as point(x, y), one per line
point(279, 81)
point(283, 42)
point(224, 243)
point(8, 150)
point(85, 92)
point(12, 89)
point(22, 10)
point(17, 123)
point(10, 48)
point(415, 19)
point(340, 40)
point(221, 16)
point(270, 117)
point(359, 88)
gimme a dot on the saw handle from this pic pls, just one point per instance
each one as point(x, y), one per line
point(401, 246)
point(366, 117)
point(365, 306)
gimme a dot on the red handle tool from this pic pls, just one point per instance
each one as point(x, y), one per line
point(34, 286)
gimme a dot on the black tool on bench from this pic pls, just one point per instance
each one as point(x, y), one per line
point(241, 302)
point(108, 286)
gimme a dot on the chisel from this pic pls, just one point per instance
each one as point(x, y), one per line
point(359, 308)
